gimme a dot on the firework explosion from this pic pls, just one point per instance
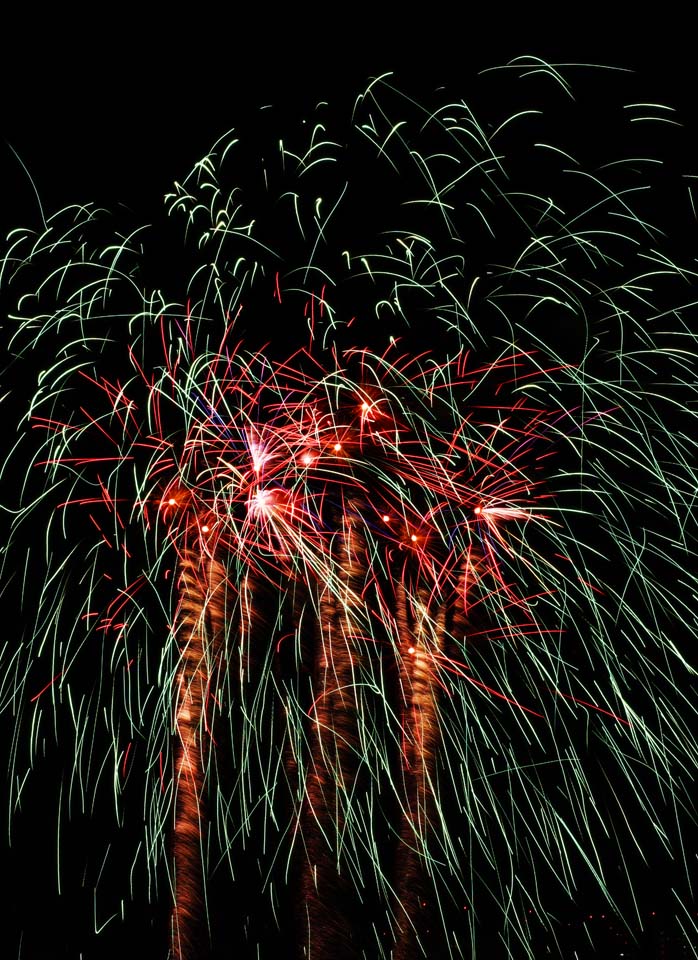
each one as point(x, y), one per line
point(368, 520)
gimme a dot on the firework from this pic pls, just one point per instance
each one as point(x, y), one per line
point(367, 545)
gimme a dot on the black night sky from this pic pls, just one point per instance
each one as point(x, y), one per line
point(105, 111)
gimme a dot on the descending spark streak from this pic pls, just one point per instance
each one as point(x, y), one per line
point(421, 641)
point(200, 623)
point(328, 899)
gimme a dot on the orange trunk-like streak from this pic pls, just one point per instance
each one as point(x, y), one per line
point(199, 625)
point(421, 642)
point(328, 920)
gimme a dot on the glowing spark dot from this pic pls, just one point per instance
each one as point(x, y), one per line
point(261, 503)
point(413, 538)
point(337, 446)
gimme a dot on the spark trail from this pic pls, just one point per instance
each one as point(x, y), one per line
point(200, 621)
point(367, 544)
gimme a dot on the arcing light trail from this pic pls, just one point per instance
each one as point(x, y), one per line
point(363, 580)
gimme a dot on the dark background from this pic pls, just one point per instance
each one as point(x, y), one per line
point(102, 109)
point(112, 109)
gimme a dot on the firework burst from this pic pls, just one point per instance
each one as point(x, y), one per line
point(367, 569)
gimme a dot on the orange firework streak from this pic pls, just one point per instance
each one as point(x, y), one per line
point(328, 896)
point(199, 624)
point(422, 644)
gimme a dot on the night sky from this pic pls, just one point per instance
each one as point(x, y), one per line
point(113, 116)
